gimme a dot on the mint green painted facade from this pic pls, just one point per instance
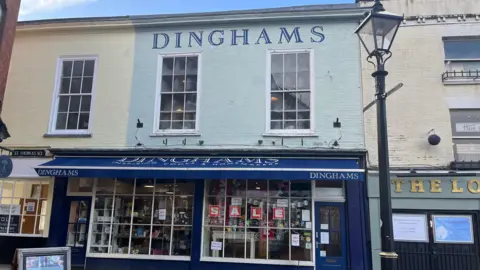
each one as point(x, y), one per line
point(233, 81)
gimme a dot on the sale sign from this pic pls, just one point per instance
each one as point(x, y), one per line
point(278, 213)
point(256, 213)
point(214, 211)
point(234, 211)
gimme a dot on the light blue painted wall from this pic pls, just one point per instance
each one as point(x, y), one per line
point(233, 89)
point(446, 200)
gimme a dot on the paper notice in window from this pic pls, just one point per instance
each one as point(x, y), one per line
point(214, 245)
point(305, 215)
point(236, 201)
point(162, 214)
point(324, 238)
point(295, 240)
point(282, 203)
point(323, 253)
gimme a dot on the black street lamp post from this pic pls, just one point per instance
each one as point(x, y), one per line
point(376, 34)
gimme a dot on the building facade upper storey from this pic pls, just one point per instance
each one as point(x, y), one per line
point(271, 79)
point(69, 83)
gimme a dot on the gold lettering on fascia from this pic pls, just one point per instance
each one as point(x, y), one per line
point(435, 186)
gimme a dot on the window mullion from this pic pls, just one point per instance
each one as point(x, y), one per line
point(289, 231)
point(245, 226)
point(112, 215)
point(151, 220)
point(172, 226)
point(225, 212)
point(131, 216)
point(267, 231)
point(36, 213)
point(11, 205)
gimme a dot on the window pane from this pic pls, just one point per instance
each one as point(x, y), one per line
point(140, 240)
point(63, 104)
point(234, 242)
point(189, 125)
point(123, 209)
point(164, 187)
point(67, 68)
point(183, 187)
point(290, 101)
point(166, 102)
point(125, 186)
point(304, 251)
point(236, 188)
point(301, 213)
point(190, 116)
point(303, 62)
point(99, 238)
point(89, 68)
point(301, 189)
point(303, 100)
point(191, 84)
point(179, 83)
point(183, 211)
point(78, 68)
point(120, 238)
point(142, 212)
point(278, 188)
point(277, 63)
point(163, 206)
point(276, 115)
point(303, 125)
point(276, 125)
point(180, 63)
point(165, 125)
point(256, 212)
point(86, 100)
point(167, 83)
point(87, 85)
point(192, 65)
point(278, 213)
point(290, 63)
point(74, 104)
point(256, 189)
point(278, 244)
point(462, 49)
point(72, 121)
point(213, 237)
point(214, 211)
point(177, 116)
point(160, 240)
point(28, 225)
point(178, 102)
point(177, 125)
point(105, 185)
point(103, 211)
point(65, 88)
point(277, 101)
point(167, 68)
point(191, 102)
point(145, 187)
point(277, 81)
point(181, 241)
point(76, 83)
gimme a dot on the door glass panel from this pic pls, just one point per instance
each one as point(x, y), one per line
point(71, 235)
point(324, 215)
point(334, 249)
point(73, 212)
point(335, 218)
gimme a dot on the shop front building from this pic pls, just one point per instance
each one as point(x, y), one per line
point(198, 210)
point(240, 143)
point(435, 219)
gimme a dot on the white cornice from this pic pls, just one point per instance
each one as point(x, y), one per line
point(441, 19)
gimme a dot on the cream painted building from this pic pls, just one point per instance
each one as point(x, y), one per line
point(435, 188)
point(69, 84)
point(436, 37)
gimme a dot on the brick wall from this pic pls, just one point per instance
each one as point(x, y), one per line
point(7, 35)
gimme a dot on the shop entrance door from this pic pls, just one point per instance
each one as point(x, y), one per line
point(330, 236)
point(77, 233)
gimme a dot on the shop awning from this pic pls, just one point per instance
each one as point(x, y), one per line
point(205, 168)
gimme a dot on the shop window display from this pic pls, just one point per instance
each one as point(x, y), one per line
point(23, 207)
point(264, 220)
point(142, 216)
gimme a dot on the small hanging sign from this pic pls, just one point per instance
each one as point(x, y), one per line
point(256, 213)
point(234, 211)
point(214, 211)
point(279, 213)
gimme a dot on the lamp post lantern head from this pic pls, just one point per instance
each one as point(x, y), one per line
point(378, 30)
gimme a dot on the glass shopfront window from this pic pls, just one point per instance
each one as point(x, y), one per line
point(262, 220)
point(23, 207)
point(142, 216)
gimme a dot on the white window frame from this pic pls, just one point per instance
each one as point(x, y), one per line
point(158, 92)
point(48, 212)
point(127, 255)
point(55, 99)
point(268, 79)
point(204, 258)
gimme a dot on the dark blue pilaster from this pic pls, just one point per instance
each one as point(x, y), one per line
point(357, 225)
point(59, 215)
point(197, 225)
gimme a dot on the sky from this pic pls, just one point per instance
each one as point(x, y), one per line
point(50, 9)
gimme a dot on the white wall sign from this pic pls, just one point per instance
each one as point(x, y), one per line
point(410, 228)
point(467, 127)
point(5, 209)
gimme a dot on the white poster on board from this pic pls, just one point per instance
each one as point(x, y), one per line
point(410, 227)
